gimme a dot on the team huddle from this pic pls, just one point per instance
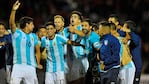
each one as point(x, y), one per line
point(81, 53)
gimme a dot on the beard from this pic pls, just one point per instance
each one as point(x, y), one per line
point(85, 31)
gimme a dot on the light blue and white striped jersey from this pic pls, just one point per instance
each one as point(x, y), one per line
point(78, 51)
point(55, 52)
point(65, 34)
point(24, 48)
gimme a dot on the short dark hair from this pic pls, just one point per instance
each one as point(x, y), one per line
point(87, 20)
point(2, 23)
point(78, 13)
point(130, 24)
point(105, 23)
point(94, 26)
point(25, 20)
point(42, 26)
point(114, 16)
point(49, 23)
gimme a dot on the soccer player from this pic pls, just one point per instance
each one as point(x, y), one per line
point(92, 45)
point(113, 18)
point(25, 44)
point(54, 44)
point(41, 72)
point(77, 72)
point(127, 70)
point(59, 23)
point(135, 48)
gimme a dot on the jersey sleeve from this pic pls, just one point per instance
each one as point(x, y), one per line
point(96, 41)
point(62, 39)
point(43, 42)
point(36, 42)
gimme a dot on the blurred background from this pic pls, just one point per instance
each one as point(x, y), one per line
point(44, 10)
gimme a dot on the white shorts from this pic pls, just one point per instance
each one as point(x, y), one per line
point(24, 73)
point(127, 75)
point(85, 64)
point(55, 78)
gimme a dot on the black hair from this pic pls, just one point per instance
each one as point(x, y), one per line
point(114, 16)
point(104, 23)
point(78, 13)
point(42, 26)
point(49, 23)
point(25, 20)
point(2, 23)
point(87, 20)
point(131, 25)
point(94, 27)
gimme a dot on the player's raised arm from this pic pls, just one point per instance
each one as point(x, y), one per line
point(12, 16)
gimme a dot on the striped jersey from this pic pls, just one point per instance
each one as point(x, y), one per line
point(78, 51)
point(65, 34)
point(24, 48)
point(55, 52)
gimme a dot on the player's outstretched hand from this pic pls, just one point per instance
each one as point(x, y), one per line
point(16, 5)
